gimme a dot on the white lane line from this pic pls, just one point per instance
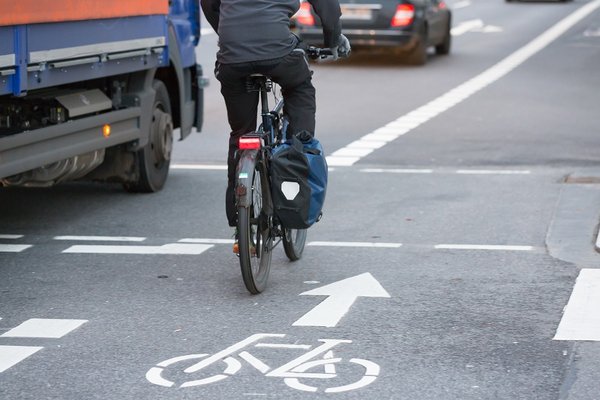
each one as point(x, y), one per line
point(45, 328)
point(207, 241)
point(199, 167)
point(11, 237)
point(355, 244)
point(581, 319)
point(11, 355)
point(460, 4)
point(14, 248)
point(482, 247)
point(101, 238)
point(172, 248)
point(410, 121)
point(466, 26)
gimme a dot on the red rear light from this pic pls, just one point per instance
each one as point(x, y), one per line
point(405, 15)
point(249, 143)
point(304, 15)
point(442, 5)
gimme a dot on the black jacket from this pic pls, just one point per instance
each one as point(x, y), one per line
point(256, 30)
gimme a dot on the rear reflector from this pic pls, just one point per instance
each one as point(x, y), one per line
point(304, 15)
point(405, 15)
point(249, 143)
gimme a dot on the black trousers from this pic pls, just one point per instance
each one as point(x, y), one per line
point(295, 79)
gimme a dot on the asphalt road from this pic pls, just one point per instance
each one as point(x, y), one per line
point(454, 247)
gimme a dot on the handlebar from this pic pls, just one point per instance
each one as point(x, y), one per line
point(319, 53)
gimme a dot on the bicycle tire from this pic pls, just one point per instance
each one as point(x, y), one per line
point(293, 243)
point(255, 239)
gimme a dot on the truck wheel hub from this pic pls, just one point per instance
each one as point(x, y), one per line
point(162, 135)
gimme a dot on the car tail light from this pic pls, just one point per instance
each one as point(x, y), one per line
point(249, 143)
point(442, 5)
point(405, 14)
point(304, 15)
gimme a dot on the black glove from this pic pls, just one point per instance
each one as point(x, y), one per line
point(342, 49)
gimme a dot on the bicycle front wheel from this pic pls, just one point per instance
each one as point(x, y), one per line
point(293, 243)
point(255, 240)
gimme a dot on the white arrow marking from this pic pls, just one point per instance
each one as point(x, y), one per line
point(342, 295)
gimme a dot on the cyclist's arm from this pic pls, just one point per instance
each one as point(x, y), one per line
point(211, 12)
point(329, 12)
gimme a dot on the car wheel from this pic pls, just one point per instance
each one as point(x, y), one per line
point(444, 47)
point(418, 55)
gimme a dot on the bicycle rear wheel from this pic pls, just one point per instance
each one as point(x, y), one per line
point(255, 239)
point(293, 243)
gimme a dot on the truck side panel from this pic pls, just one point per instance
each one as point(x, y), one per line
point(21, 12)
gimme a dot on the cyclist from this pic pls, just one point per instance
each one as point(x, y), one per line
point(255, 37)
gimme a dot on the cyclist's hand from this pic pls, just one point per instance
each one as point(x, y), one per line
point(342, 49)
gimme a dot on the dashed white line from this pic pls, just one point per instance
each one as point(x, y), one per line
point(11, 237)
point(581, 319)
point(410, 121)
point(172, 248)
point(14, 248)
point(207, 241)
point(101, 238)
point(11, 355)
point(355, 244)
point(482, 247)
point(44, 328)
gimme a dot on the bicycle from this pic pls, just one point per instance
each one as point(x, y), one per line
point(258, 229)
point(317, 365)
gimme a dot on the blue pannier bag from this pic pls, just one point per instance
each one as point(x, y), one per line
point(298, 182)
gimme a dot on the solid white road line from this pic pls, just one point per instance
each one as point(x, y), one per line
point(11, 237)
point(101, 238)
point(581, 319)
point(172, 248)
point(482, 247)
point(415, 118)
point(11, 355)
point(14, 248)
point(45, 328)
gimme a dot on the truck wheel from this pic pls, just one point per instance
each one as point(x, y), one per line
point(154, 159)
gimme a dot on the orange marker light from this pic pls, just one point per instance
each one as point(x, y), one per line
point(106, 130)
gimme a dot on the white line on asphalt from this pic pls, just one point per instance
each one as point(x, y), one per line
point(101, 238)
point(255, 362)
point(199, 167)
point(415, 118)
point(284, 346)
point(11, 355)
point(11, 237)
point(14, 248)
point(207, 241)
point(466, 26)
point(482, 247)
point(356, 244)
point(172, 248)
point(45, 328)
point(581, 319)
point(461, 4)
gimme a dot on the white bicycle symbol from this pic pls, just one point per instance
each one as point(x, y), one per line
point(291, 372)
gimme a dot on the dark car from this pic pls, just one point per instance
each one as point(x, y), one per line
point(410, 26)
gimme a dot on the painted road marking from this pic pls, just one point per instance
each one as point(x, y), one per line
point(199, 167)
point(11, 237)
point(207, 241)
point(101, 238)
point(482, 247)
point(467, 26)
point(441, 171)
point(11, 355)
point(581, 319)
point(171, 248)
point(341, 296)
point(14, 248)
point(45, 328)
point(417, 117)
point(492, 172)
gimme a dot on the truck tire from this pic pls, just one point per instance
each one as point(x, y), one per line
point(153, 160)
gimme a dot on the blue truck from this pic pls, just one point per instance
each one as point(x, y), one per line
point(95, 90)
